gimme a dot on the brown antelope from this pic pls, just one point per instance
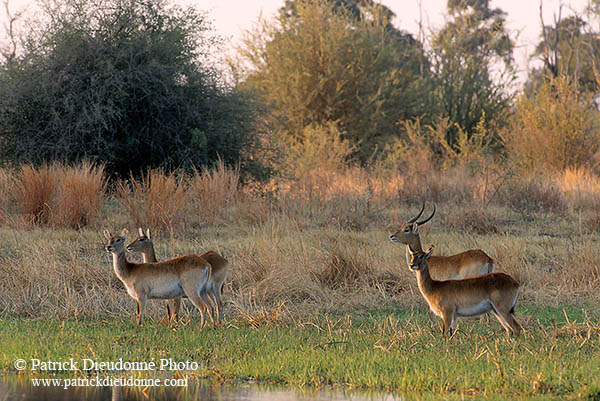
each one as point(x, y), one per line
point(188, 274)
point(143, 244)
point(451, 299)
point(455, 267)
point(219, 269)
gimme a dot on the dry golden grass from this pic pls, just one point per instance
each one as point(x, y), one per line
point(250, 313)
point(66, 273)
point(156, 201)
point(478, 220)
point(57, 195)
point(211, 191)
point(534, 195)
point(322, 248)
point(7, 188)
point(34, 189)
point(79, 195)
point(580, 188)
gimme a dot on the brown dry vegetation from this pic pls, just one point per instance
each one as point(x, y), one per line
point(53, 195)
point(319, 243)
point(157, 200)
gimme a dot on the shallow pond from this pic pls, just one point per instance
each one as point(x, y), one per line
point(24, 388)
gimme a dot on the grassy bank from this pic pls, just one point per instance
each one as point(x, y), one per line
point(64, 274)
point(317, 293)
point(396, 349)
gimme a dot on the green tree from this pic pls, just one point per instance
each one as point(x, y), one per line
point(123, 82)
point(317, 63)
point(571, 48)
point(472, 65)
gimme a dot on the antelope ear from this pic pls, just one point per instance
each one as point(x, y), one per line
point(141, 231)
point(124, 232)
point(415, 228)
point(107, 234)
point(148, 233)
point(429, 252)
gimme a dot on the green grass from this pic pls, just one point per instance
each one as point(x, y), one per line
point(394, 350)
point(318, 296)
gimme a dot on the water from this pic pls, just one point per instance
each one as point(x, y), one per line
point(21, 389)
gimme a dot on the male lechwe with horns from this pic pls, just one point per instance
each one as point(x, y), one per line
point(463, 265)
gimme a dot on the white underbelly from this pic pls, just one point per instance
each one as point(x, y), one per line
point(475, 309)
point(167, 290)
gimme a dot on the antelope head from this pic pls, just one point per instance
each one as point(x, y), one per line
point(142, 243)
point(408, 233)
point(116, 243)
point(418, 260)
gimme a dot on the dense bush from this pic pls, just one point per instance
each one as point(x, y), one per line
point(128, 83)
point(319, 147)
point(554, 129)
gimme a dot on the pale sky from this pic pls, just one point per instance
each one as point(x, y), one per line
point(232, 17)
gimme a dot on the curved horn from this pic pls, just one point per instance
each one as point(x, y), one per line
point(418, 215)
point(429, 218)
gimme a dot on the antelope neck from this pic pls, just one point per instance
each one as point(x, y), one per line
point(120, 264)
point(419, 248)
point(149, 257)
point(410, 250)
point(424, 279)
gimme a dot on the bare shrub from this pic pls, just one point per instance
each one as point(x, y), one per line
point(490, 181)
point(533, 195)
point(79, 195)
point(474, 220)
point(212, 190)
point(34, 189)
point(158, 200)
point(455, 184)
point(345, 269)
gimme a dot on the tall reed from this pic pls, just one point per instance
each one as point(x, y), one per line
point(211, 191)
point(7, 188)
point(79, 195)
point(158, 200)
point(34, 189)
